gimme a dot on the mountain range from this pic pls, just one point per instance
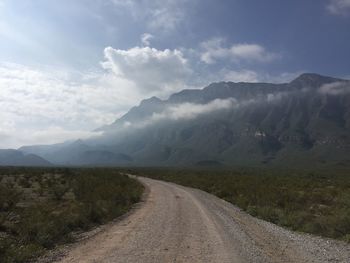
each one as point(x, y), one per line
point(301, 123)
point(10, 157)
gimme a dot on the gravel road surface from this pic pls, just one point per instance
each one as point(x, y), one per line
point(180, 224)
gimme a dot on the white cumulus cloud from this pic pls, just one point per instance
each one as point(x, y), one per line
point(153, 71)
point(45, 105)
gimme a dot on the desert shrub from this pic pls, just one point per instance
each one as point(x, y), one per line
point(8, 198)
point(316, 202)
point(29, 226)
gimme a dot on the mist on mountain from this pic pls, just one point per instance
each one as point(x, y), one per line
point(303, 122)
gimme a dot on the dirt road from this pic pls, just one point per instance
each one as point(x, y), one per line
point(179, 224)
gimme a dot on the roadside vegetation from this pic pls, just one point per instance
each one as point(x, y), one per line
point(41, 208)
point(311, 202)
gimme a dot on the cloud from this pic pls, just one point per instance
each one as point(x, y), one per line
point(48, 105)
point(192, 110)
point(166, 18)
point(158, 15)
point(214, 50)
point(248, 75)
point(336, 88)
point(183, 111)
point(125, 3)
point(145, 39)
point(339, 7)
point(277, 97)
point(53, 134)
point(189, 111)
point(153, 71)
point(74, 103)
point(36, 100)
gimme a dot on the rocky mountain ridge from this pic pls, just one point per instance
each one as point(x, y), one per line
point(306, 121)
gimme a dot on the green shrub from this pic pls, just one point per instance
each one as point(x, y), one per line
point(316, 202)
point(30, 225)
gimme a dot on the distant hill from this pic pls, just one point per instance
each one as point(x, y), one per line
point(301, 123)
point(79, 153)
point(17, 158)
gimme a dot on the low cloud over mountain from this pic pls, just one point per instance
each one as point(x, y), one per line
point(299, 123)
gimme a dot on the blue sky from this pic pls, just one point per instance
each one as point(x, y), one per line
point(67, 67)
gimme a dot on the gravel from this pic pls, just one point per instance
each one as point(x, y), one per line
point(181, 224)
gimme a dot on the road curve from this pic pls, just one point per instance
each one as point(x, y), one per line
point(180, 224)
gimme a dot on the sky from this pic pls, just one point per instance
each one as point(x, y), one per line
point(68, 67)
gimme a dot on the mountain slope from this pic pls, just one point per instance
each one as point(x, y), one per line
point(306, 121)
point(17, 158)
